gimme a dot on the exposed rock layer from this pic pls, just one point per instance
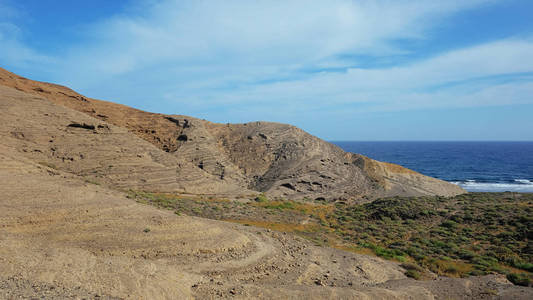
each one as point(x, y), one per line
point(63, 238)
point(185, 154)
point(63, 235)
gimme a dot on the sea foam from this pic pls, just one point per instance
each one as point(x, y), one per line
point(523, 181)
point(518, 185)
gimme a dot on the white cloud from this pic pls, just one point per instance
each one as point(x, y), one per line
point(244, 58)
point(256, 33)
point(482, 75)
point(490, 59)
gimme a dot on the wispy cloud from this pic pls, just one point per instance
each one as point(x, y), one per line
point(286, 60)
point(7, 11)
point(264, 34)
point(496, 73)
point(13, 49)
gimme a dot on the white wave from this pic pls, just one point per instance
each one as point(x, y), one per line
point(473, 186)
point(523, 181)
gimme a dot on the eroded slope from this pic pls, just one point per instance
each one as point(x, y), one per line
point(278, 159)
point(64, 238)
point(63, 230)
point(99, 151)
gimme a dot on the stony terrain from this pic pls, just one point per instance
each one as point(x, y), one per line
point(190, 155)
point(63, 238)
point(69, 231)
point(470, 234)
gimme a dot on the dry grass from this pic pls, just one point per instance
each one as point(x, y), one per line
point(282, 227)
point(455, 237)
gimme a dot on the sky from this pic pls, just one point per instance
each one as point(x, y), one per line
point(339, 69)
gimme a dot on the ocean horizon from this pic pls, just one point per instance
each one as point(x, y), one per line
point(476, 166)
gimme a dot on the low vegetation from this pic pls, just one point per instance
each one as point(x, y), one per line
point(471, 234)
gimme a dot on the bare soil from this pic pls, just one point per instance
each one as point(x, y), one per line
point(67, 230)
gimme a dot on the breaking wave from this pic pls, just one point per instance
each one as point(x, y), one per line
point(516, 185)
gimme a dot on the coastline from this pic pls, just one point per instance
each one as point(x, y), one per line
point(475, 166)
point(519, 186)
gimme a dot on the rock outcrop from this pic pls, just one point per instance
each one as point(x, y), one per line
point(185, 154)
point(68, 232)
point(63, 238)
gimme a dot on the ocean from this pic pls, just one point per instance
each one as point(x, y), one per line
point(475, 166)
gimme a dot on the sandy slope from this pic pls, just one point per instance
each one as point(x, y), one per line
point(223, 159)
point(66, 231)
point(60, 231)
point(62, 237)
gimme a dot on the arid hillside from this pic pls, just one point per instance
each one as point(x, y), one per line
point(65, 238)
point(69, 230)
point(129, 148)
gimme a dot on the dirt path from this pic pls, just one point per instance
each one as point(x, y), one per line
point(64, 238)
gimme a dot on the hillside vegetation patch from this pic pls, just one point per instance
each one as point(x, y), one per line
point(470, 234)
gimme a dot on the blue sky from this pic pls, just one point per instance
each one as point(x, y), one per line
point(340, 69)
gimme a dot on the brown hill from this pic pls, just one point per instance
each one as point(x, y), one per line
point(65, 235)
point(63, 238)
point(197, 156)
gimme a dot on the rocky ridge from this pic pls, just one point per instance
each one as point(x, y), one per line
point(67, 231)
point(203, 157)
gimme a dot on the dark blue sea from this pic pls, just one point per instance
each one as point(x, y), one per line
point(475, 166)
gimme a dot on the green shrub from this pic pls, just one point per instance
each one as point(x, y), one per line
point(451, 269)
point(280, 206)
point(465, 254)
point(409, 266)
point(520, 279)
point(261, 198)
point(524, 266)
point(413, 274)
point(449, 224)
